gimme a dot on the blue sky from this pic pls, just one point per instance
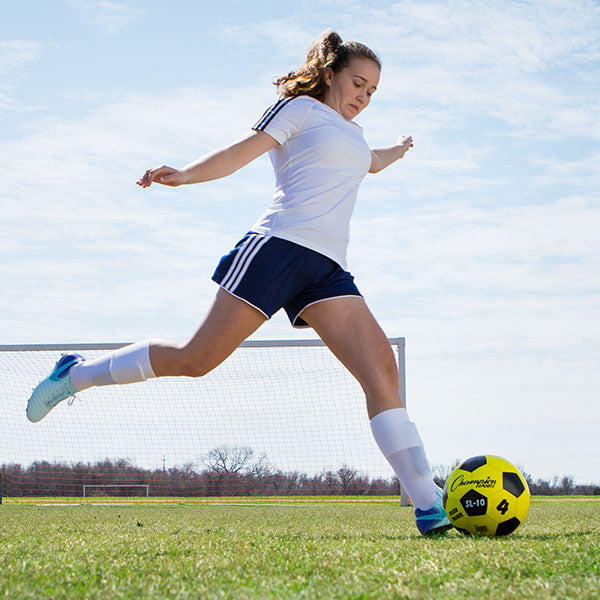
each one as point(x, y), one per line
point(480, 247)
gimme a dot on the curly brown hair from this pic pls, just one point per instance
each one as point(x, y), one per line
point(329, 51)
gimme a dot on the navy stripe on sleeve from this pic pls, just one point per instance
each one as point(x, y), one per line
point(270, 113)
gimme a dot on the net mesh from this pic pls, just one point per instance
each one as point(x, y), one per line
point(284, 421)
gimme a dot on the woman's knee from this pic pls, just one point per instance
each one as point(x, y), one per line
point(194, 370)
point(192, 364)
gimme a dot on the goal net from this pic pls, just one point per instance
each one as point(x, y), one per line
point(277, 419)
point(115, 489)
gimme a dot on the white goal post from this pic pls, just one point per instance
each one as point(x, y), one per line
point(116, 485)
point(277, 418)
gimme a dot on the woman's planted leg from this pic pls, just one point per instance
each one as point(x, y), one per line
point(351, 332)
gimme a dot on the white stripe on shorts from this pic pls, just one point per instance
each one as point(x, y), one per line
point(242, 261)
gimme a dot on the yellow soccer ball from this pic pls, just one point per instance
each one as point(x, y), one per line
point(486, 495)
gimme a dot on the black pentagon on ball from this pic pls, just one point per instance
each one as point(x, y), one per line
point(512, 483)
point(474, 503)
point(473, 463)
point(507, 527)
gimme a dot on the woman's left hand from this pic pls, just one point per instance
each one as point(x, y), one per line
point(383, 157)
point(404, 143)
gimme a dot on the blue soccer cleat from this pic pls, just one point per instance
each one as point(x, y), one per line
point(54, 389)
point(433, 520)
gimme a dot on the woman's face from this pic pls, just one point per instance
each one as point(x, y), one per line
point(349, 91)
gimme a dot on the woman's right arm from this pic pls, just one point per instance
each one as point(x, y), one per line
point(215, 165)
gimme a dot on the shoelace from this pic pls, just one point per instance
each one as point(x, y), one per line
point(56, 399)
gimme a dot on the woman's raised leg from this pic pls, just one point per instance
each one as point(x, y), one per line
point(228, 323)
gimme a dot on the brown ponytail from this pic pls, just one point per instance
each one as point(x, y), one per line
point(329, 51)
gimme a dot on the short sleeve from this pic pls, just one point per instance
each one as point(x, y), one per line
point(282, 120)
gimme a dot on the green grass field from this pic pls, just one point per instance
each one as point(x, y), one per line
point(290, 551)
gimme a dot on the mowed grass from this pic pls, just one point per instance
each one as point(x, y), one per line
point(299, 551)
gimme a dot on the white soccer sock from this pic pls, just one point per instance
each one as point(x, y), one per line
point(125, 365)
point(398, 439)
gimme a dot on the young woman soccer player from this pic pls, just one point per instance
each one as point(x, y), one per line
point(294, 258)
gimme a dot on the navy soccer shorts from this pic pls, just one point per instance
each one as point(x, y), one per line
point(270, 273)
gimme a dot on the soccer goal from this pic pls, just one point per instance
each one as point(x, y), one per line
point(94, 490)
point(278, 420)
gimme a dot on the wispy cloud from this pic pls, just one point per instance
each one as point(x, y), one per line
point(83, 210)
point(15, 57)
point(111, 16)
point(288, 35)
point(463, 59)
point(17, 54)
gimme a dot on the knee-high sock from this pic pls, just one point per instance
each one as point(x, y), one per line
point(398, 439)
point(125, 365)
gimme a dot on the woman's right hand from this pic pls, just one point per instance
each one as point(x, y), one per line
point(165, 175)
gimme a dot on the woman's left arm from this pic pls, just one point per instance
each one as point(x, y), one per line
point(384, 157)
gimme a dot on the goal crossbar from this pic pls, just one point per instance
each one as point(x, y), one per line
point(395, 341)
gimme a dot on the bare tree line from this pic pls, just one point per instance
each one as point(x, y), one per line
point(224, 471)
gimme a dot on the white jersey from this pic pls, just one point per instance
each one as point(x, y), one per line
point(321, 160)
